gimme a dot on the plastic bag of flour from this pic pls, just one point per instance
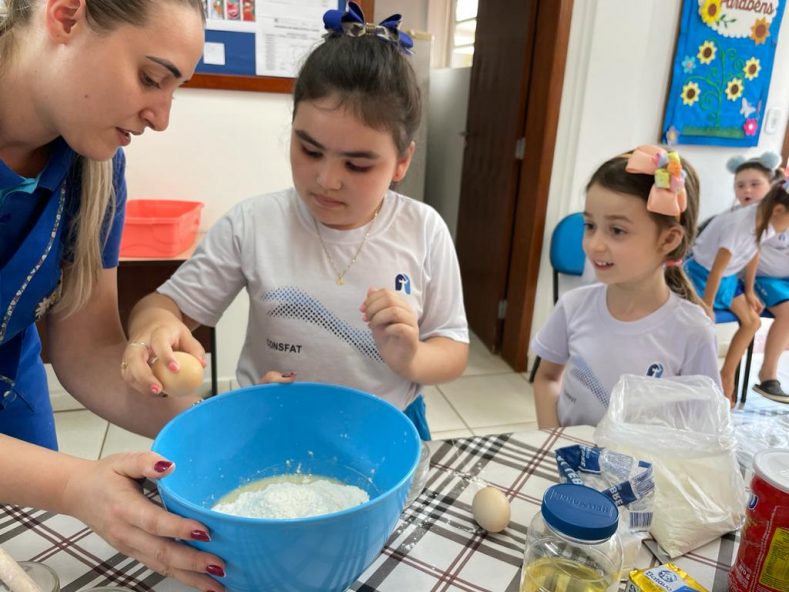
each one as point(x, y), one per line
point(682, 426)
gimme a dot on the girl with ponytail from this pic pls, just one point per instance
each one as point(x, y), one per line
point(79, 79)
point(728, 250)
point(643, 317)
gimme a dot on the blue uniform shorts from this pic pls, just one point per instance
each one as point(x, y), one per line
point(772, 291)
point(730, 286)
point(417, 413)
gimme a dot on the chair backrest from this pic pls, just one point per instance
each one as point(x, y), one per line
point(567, 254)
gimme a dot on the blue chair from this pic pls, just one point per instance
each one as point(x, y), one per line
point(567, 258)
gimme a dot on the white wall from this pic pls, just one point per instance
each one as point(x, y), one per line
point(221, 147)
point(617, 76)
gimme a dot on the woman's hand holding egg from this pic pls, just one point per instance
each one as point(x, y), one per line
point(164, 346)
point(181, 379)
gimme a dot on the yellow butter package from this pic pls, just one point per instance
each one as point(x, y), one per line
point(665, 578)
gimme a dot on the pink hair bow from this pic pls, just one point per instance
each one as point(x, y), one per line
point(667, 195)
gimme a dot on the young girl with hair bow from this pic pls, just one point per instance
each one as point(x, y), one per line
point(729, 246)
point(644, 316)
point(772, 286)
point(349, 282)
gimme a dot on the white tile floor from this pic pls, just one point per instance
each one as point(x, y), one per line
point(489, 398)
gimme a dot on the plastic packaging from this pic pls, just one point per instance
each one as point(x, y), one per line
point(571, 544)
point(662, 578)
point(758, 432)
point(683, 426)
point(628, 481)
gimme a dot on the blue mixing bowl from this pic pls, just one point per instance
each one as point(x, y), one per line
point(266, 430)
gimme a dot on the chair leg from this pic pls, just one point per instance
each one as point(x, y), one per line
point(746, 379)
point(534, 369)
point(736, 380)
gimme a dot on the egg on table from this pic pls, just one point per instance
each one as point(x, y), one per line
point(183, 382)
point(491, 509)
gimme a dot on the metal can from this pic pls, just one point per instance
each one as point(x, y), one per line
point(761, 564)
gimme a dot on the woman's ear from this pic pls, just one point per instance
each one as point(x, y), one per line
point(403, 162)
point(61, 16)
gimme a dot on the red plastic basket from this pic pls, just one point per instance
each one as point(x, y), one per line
point(159, 227)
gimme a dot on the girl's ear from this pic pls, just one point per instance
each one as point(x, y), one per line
point(401, 168)
point(670, 239)
point(61, 16)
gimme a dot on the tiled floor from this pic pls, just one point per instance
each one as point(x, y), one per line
point(489, 398)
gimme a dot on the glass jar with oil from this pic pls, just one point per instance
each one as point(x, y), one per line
point(572, 545)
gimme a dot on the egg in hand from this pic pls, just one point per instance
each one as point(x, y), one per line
point(183, 382)
point(491, 509)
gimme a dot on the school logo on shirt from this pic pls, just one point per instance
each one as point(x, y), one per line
point(402, 283)
point(655, 370)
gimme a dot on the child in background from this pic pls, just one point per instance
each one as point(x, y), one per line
point(643, 317)
point(348, 282)
point(729, 246)
point(772, 287)
point(753, 177)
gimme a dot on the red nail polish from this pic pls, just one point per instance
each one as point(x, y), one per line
point(173, 366)
point(162, 466)
point(155, 389)
point(289, 375)
point(200, 535)
point(215, 570)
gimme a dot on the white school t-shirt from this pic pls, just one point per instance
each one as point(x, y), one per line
point(678, 339)
point(300, 320)
point(734, 231)
point(774, 259)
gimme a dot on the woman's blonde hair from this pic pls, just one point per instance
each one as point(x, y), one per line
point(97, 198)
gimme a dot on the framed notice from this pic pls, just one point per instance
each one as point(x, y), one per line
point(259, 45)
point(722, 70)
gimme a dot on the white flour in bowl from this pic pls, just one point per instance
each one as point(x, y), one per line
point(291, 496)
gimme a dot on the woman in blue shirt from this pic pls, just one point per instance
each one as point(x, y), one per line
point(79, 78)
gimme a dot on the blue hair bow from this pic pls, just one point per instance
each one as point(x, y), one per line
point(352, 23)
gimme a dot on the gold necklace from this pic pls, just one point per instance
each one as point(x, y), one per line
point(340, 280)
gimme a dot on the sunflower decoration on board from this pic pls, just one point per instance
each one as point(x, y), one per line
point(724, 57)
point(690, 94)
point(707, 51)
point(752, 68)
point(710, 11)
point(760, 31)
point(734, 89)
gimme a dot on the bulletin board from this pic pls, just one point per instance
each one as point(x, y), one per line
point(256, 45)
point(722, 70)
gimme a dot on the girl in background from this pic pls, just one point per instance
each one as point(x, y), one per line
point(753, 177)
point(772, 287)
point(644, 316)
point(730, 246)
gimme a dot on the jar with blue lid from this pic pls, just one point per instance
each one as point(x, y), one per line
point(572, 545)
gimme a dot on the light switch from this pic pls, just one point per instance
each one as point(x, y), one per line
point(772, 119)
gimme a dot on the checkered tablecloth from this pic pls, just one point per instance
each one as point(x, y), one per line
point(435, 547)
